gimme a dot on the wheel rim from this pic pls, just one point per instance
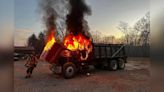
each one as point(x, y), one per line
point(114, 65)
point(121, 64)
point(69, 71)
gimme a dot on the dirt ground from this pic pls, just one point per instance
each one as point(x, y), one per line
point(135, 78)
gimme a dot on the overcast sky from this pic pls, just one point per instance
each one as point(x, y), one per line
point(6, 23)
point(105, 17)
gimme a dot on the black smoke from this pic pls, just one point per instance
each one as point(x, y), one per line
point(75, 19)
point(53, 13)
point(65, 16)
point(49, 14)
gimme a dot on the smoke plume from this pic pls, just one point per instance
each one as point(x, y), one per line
point(75, 19)
point(65, 16)
point(53, 13)
point(49, 15)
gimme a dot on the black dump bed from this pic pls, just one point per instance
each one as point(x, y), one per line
point(109, 51)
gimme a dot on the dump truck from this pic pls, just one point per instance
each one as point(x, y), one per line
point(103, 56)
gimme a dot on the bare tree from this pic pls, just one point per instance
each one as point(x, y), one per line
point(108, 39)
point(143, 27)
point(139, 34)
point(124, 28)
point(96, 36)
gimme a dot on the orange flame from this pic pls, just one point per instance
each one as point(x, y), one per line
point(78, 42)
point(50, 41)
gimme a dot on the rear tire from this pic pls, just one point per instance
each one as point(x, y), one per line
point(69, 70)
point(121, 64)
point(112, 65)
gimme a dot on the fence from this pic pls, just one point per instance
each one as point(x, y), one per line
point(137, 51)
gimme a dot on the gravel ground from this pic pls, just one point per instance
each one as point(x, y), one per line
point(135, 78)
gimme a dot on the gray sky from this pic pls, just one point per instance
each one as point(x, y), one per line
point(105, 17)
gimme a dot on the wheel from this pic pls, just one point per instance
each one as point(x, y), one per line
point(112, 65)
point(121, 64)
point(69, 70)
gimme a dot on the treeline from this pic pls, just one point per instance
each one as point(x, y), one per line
point(37, 42)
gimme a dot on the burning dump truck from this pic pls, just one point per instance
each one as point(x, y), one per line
point(77, 53)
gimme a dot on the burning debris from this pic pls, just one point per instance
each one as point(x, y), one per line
point(78, 42)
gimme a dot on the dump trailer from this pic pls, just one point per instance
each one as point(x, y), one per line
point(103, 56)
point(109, 56)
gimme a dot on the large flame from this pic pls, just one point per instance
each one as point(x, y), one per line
point(78, 42)
point(50, 41)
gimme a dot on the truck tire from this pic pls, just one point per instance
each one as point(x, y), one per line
point(69, 70)
point(112, 65)
point(121, 64)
